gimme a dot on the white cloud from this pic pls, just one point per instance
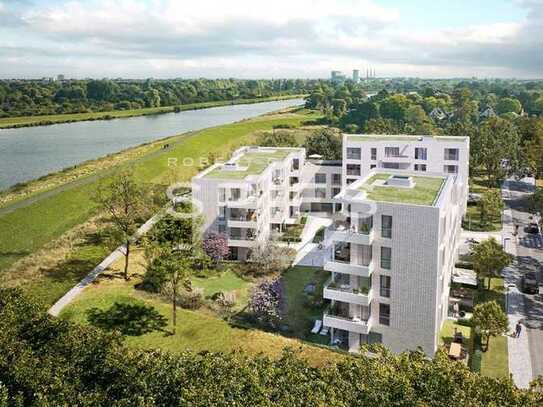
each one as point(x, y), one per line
point(256, 38)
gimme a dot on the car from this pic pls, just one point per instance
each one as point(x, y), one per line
point(529, 284)
point(473, 198)
point(533, 228)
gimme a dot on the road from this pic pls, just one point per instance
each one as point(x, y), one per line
point(529, 257)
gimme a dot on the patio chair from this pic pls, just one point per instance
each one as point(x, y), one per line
point(317, 327)
point(324, 331)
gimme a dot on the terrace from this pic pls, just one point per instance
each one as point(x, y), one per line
point(417, 190)
point(250, 162)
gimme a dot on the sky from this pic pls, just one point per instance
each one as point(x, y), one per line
point(270, 39)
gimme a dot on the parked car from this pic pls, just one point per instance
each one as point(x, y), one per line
point(533, 227)
point(529, 284)
point(473, 198)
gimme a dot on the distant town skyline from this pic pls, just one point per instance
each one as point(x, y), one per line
point(241, 39)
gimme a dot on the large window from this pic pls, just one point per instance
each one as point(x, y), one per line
point(295, 164)
point(235, 194)
point(386, 258)
point(335, 191)
point(450, 169)
point(320, 192)
point(384, 314)
point(451, 154)
point(353, 169)
point(222, 195)
point(353, 153)
point(392, 166)
point(336, 179)
point(384, 286)
point(420, 167)
point(392, 151)
point(320, 178)
point(374, 154)
point(386, 226)
point(365, 225)
point(421, 153)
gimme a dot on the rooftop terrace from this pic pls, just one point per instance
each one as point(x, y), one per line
point(424, 192)
point(251, 162)
point(400, 137)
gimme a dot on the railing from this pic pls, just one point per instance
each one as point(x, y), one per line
point(345, 287)
point(335, 314)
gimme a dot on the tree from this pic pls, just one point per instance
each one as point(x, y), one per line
point(496, 148)
point(508, 105)
point(325, 142)
point(215, 245)
point(490, 206)
point(490, 320)
point(417, 121)
point(124, 201)
point(270, 258)
point(277, 138)
point(489, 259)
point(536, 201)
point(176, 267)
point(381, 126)
point(265, 301)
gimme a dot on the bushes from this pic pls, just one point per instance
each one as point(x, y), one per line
point(265, 302)
point(192, 299)
point(47, 361)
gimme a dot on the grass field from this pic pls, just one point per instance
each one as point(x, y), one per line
point(23, 121)
point(198, 330)
point(26, 230)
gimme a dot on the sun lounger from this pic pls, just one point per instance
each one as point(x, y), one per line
point(317, 327)
point(324, 331)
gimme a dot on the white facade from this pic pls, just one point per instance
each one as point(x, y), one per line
point(390, 255)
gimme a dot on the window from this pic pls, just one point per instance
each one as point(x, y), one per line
point(372, 166)
point(365, 255)
point(450, 169)
point(320, 192)
point(222, 212)
point(353, 153)
point(384, 314)
point(222, 229)
point(374, 154)
point(386, 257)
point(295, 164)
point(336, 179)
point(451, 154)
point(235, 194)
point(386, 226)
point(392, 151)
point(320, 178)
point(222, 195)
point(350, 180)
point(384, 286)
point(335, 191)
point(353, 169)
point(392, 166)
point(421, 153)
point(365, 225)
point(420, 167)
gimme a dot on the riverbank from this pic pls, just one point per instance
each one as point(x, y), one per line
point(37, 247)
point(31, 121)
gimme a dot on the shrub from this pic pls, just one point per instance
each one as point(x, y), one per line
point(154, 277)
point(192, 299)
point(265, 301)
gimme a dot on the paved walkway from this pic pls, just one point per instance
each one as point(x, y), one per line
point(108, 261)
point(520, 360)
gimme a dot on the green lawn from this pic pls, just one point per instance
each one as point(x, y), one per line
point(424, 192)
point(199, 330)
point(26, 230)
point(300, 315)
point(73, 117)
point(494, 361)
point(225, 282)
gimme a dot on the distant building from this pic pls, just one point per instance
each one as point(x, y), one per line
point(337, 76)
point(487, 113)
point(60, 77)
point(438, 114)
point(356, 75)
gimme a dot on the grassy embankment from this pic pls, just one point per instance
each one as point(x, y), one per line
point(52, 265)
point(202, 329)
point(28, 121)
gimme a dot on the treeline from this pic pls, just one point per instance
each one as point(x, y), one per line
point(48, 361)
point(32, 97)
point(503, 119)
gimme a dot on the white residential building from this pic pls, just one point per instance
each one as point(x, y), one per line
point(396, 203)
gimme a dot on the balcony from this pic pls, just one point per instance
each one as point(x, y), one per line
point(351, 235)
point(351, 324)
point(247, 203)
point(345, 293)
point(242, 241)
point(348, 268)
point(396, 159)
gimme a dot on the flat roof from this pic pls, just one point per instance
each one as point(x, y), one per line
point(424, 192)
point(250, 162)
point(401, 137)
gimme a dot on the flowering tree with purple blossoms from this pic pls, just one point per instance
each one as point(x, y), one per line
point(215, 245)
point(265, 301)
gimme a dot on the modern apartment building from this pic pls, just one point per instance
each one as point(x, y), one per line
point(396, 204)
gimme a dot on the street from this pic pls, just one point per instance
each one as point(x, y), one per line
point(528, 309)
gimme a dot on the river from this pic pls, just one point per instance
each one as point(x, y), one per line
point(31, 152)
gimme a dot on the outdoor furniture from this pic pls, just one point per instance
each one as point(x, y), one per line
point(324, 331)
point(455, 351)
point(317, 327)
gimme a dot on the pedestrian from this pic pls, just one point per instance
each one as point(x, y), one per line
point(518, 329)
